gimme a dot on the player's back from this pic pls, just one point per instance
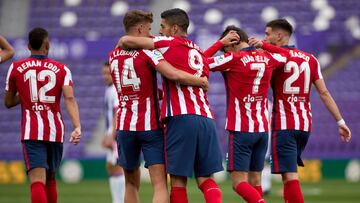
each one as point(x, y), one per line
point(291, 87)
point(39, 81)
point(134, 78)
point(184, 55)
point(247, 75)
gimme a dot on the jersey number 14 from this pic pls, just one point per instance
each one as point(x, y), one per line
point(128, 77)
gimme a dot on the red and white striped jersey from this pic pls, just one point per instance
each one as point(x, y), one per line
point(184, 55)
point(247, 75)
point(39, 81)
point(291, 87)
point(134, 78)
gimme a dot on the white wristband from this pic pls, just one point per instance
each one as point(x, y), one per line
point(341, 122)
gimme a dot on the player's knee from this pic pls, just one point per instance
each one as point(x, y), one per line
point(289, 176)
point(132, 177)
point(255, 180)
point(114, 170)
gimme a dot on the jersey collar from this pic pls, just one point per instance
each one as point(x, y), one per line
point(248, 48)
point(39, 56)
point(289, 46)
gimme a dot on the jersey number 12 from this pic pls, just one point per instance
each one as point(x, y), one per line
point(41, 76)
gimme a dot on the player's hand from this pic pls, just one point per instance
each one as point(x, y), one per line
point(231, 38)
point(75, 136)
point(108, 142)
point(255, 42)
point(205, 83)
point(120, 43)
point(345, 133)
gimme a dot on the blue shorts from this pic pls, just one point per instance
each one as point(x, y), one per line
point(286, 149)
point(42, 154)
point(131, 143)
point(247, 151)
point(192, 146)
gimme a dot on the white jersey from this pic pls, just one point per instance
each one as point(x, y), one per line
point(111, 104)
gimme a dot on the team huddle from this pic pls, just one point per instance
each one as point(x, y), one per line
point(174, 128)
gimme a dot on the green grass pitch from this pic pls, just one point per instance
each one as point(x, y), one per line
point(97, 191)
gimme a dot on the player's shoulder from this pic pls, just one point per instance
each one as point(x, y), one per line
point(150, 53)
point(20, 61)
point(306, 55)
point(189, 43)
point(56, 62)
point(301, 51)
point(152, 56)
point(165, 38)
point(113, 51)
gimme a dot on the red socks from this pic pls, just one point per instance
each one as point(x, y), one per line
point(211, 191)
point(292, 192)
point(249, 193)
point(38, 194)
point(258, 188)
point(178, 195)
point(51, 192)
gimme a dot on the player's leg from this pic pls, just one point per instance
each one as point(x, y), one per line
point(116, 175)
point(37, 178)
point(287, 146)
point(116, 181)
point(266, 179)
point(178, 193)
point(208, 159)
point(255, 180)
point(153, 151)
point(50, 188)
point(180, 147)
point(159, 184)
point(132, 185)
point(239, 164)
point(284, 155)
point(292, 187)
point(266, 173)
point(54, 156)
point(129, 158)
point(36, 164)
point(258, 160)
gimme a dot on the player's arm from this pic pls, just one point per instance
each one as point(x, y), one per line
point(344, 131)
point(131, 42)
point(184, 78)
point(71, 107)
point(73, 111)
point(231, 38)
point(11, 99)
point(7, 51)
point(267, 46)
point(221, 63)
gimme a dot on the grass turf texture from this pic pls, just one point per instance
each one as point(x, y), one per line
point(95, 191)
